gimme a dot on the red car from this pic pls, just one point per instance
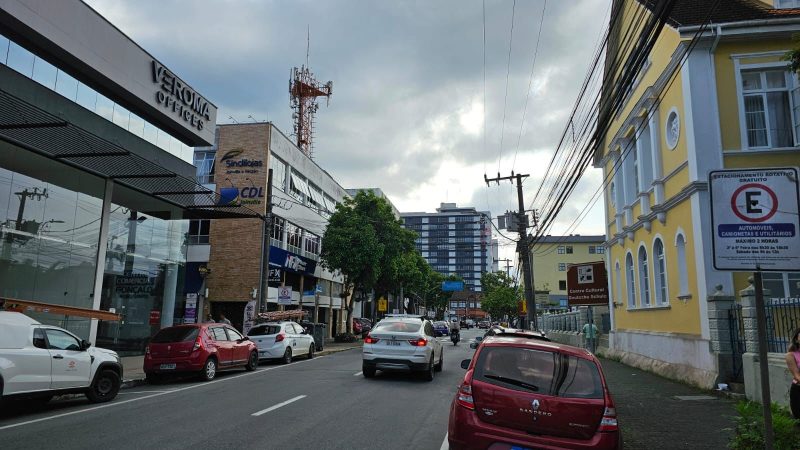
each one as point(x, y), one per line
point(203, 348)
point(523, 392)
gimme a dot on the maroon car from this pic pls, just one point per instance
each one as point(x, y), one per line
point(202, 348)
point(523, 392)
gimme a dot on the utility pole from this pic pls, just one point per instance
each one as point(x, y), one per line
point(523, 246)
point(265, 245)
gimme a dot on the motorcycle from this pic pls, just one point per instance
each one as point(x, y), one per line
point(455, 336)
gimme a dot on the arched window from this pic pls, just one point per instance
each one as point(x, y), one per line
point(660, 272)
point(644, 277)
point(631, 281)
point(683, 274)
point(618, 283)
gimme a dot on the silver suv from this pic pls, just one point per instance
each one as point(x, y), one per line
point(402, 343)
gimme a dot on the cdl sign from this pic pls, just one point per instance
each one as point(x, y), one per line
point(754, 216)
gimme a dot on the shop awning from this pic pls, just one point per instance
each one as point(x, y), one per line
point(27, 120)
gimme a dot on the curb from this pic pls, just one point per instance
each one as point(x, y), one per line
point(127, 384)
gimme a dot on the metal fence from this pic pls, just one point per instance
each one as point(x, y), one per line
point(736, 333)
point(783, 317)
point(560, 322)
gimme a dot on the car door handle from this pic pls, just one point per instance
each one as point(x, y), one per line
point(58, 357)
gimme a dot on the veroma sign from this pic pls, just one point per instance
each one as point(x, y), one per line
point(184, 101)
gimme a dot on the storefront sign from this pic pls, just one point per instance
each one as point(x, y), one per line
point(291, 262)
point(274, 275)
point(249, 317)
point(183, 101)
point(587, 284)
point(233, 195)
point(190, 310)
point(754, 217)
point(155, 317)
point(134, 284)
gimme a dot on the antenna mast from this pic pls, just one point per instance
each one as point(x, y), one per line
point(303, 92)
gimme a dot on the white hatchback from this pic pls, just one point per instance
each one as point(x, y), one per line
point(403, 343)
point(282, 340)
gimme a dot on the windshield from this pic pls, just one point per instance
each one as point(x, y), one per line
point(176, 334)
point(399, 327)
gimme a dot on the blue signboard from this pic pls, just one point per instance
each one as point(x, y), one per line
point(291, 262)
point(449, 286)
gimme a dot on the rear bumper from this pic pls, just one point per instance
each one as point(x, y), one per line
point(154, 365)
point(467, 431)
point(402, 365)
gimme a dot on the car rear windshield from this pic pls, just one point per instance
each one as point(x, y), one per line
point(263, 330)
point(540, 371)
point(177, 334)
point(399, 327)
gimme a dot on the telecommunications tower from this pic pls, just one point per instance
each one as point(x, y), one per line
point(303, 92)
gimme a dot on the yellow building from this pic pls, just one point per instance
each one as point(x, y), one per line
point(708, 97)
point(551, 256)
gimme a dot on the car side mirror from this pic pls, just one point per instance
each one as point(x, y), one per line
point(478, 338)
point(465, 363)
point(85, 344)
point(473, 345)
point(244, 338)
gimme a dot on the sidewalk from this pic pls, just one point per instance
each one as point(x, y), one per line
point(133, 375)
point(657, 413)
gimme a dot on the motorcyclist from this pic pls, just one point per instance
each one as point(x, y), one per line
point(455, 329)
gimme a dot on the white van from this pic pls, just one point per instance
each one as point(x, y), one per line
point(41, 361)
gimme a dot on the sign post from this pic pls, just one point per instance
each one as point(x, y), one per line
point(285, 295)
point(754, 219)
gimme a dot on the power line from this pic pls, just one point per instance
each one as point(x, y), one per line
point(508, 72)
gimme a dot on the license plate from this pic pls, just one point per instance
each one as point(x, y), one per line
point(393, 343)
point(168, 366)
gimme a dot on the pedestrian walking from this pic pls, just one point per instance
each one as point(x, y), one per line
point(590, 333)
point(793, 363)
point(223, 319)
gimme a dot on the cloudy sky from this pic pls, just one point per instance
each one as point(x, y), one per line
point(407, 111)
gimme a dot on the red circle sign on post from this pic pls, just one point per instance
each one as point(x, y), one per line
point(746, 205)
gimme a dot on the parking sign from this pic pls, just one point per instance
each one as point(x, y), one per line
point(284, 295)
point(754, 218)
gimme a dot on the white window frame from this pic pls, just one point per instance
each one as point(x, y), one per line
point(683, 271)
point(630, 277)
point(660, 273)
point(792, 86)
point(644, 275)
point(562, 267)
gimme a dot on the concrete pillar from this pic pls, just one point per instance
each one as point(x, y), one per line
point(100, 259)
point(748, 299)
point(170, 292)
point(719, 306)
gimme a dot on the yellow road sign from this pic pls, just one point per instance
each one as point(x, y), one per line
point(383, 305)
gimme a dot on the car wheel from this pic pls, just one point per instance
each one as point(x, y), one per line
point(252, 363)
point(440, 365)
point(310, 351)
point(105, 387)
point(209, 371)
point(429, 372)
point(287, 356)
point(369, 372)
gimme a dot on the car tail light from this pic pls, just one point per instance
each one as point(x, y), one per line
point(197, 344)
point(421, 342)
point(280, 337)
point(464, 396)
point(371, 340)
point(609, 421)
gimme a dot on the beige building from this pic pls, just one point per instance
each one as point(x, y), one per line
point(553, 254)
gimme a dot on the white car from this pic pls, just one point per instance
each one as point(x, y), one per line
point(41, 361)
point(282, 340)
point(403, 343)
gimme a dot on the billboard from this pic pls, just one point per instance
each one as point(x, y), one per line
point(451, 286)
point(587, 284)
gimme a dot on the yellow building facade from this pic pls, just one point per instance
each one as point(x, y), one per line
point(551, 255)
point(710, 96)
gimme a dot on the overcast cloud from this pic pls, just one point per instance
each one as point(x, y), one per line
point(407, 109)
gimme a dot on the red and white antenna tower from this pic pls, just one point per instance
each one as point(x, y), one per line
point(303, 92)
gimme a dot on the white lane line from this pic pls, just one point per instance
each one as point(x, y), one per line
point(203, 384)
point(274, 407)
point(445, 444)
point(357, 374)
point(144, 392)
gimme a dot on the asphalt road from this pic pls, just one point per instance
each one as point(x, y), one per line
point(323, 403)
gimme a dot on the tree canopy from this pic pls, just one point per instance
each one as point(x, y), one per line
point(501, 295)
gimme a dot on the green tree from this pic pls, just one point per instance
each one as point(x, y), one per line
point(501, 296)
point(363, 241)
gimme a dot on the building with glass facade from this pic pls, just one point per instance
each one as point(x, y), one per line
point(455, 240)
point(96, 181)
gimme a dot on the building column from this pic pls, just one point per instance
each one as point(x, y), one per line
point(719, 324)
point(100, 260)
point(170, 293)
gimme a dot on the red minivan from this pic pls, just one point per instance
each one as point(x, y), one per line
point(204, 348)
point(523, 392)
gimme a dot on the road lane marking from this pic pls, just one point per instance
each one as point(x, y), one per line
point(109, 405)
point(357, 374)
point(144, 392)
point(445, 444)
point(274, 407)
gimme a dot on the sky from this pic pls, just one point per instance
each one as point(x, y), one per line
point(407, 113)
